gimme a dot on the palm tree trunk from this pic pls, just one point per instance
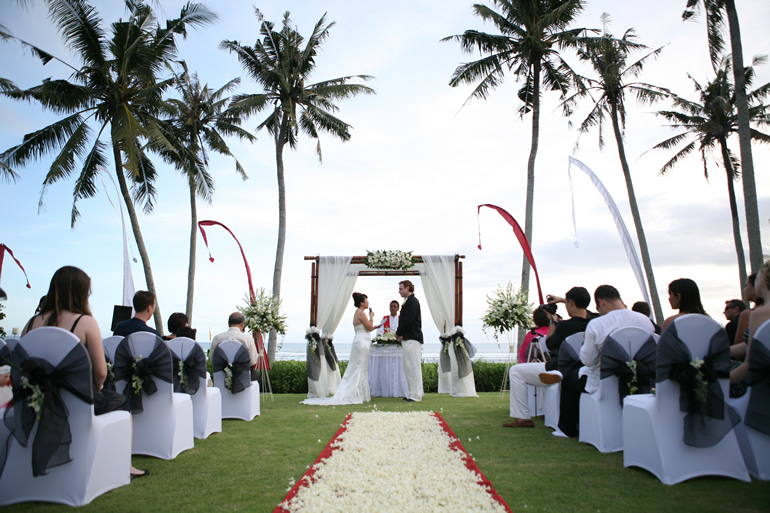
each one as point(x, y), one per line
point(137, 234)
point(193, 249)
point(525, 267)
point(734, 215)
point(744, 136)
point(280, 142)
point(637, 219)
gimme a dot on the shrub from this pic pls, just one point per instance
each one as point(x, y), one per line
point(488, 376)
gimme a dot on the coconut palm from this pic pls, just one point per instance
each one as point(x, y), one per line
point(608, 57)
point(706, 126)
point(281, 63)
point(114, 94)
point(199, 120)
point(716, 10)
point(531, 31)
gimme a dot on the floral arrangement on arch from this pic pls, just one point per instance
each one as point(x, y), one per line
point(313, 337)
point(386, 339)
point(399, 260)
point(506, 310)
point(263, 313)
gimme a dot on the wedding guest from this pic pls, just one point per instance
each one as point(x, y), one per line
point(683, 294)
point(144, 306)
point(237, 323)
point(186, 331)
point(733, 309)
point(613, 314)
point(176, 321)
point(66, 306)
point(389, 322)
point(738, 350)
point(643, 307)
point(542, 319)
point(757, 318)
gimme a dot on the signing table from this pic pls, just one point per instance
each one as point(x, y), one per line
point(386, 372)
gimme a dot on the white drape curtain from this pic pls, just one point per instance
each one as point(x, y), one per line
point(336, 281)
point(438, 280)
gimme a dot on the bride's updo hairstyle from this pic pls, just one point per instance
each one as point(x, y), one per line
point(358, 298)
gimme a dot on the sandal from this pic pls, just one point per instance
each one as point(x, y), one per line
point(144, 473)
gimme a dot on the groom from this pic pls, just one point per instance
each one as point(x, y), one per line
point(409, 333)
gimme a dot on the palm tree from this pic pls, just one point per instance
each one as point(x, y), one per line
point(608, 56)
point(282, 63)
point(715, 12)
point(706, 126)
point(198, 120)
point(530, 33)
point(115, 93)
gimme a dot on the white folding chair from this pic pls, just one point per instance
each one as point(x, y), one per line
point(165, 427)
point(100, 451)
point(207, 401)
point(653, 425)
point(110, 345)
point(755, 444)
point(243, 405)
point(552, 394)
point(601, 414)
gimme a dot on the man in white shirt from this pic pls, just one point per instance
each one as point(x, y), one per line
point(236, 323)
point(390, 322)
point(614, 315)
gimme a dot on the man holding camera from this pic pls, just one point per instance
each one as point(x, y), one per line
point(543, 374)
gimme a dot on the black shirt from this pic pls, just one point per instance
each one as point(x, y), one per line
point(563, 330)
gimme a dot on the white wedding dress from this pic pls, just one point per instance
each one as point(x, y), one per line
point(354, 387)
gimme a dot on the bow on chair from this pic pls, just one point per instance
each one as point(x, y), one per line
point(569, 360)
point(330, 353)
point(140, 371)
point(708, 417)
point(446, 346)
point(637, 372)
point(109, 381)
point(315, 353)
point(30, 377)
point(187, 375)
point(758, 410)
point(241, 375)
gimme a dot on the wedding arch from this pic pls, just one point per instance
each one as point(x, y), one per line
point(333, 278)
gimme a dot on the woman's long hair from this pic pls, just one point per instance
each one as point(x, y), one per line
point(689, 296)
point(69, 290)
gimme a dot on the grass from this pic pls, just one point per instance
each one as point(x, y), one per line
point(248, 466)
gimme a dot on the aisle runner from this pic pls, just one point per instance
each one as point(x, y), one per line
point(388, 461)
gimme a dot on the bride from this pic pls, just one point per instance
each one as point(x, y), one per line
point(354, 387)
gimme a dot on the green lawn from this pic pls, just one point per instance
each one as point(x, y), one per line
point(248, 466)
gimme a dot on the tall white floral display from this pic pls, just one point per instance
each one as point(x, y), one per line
point(506, 312)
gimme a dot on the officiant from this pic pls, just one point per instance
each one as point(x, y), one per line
point(390, 322)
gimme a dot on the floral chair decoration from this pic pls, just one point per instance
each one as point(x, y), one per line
point(462, 348)
point(237, 374)
point(636, 375)
point(188, 372)
point(139, 372)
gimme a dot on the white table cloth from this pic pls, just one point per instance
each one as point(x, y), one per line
point(386, 372)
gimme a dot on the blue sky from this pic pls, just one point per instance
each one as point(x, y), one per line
point(418, 164)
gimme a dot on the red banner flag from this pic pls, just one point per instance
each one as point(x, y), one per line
point(3, 249)
point(522, 240)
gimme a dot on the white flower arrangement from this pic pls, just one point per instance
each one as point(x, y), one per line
point(313, 337)
point(383, 259)
point(263, 313)
point(633, 385)
point(38, 396)
point(229, 377)
point(182, 377)
point(458, 340)
point(359, 475)
point(386, 339)
point(701, 387)
point(507, 311)
point(136, 381)
point(111, 371)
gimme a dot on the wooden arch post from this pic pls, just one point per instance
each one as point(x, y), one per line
point(374, 272)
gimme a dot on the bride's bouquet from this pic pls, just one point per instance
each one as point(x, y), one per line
point(507, 310)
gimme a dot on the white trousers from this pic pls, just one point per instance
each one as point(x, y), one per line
point(413, 368)
point(521, 375)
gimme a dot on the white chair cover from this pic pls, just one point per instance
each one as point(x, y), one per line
point(653, 425)
point(207, 401)
point(245, 404)
point(601, 414)
point(110, 345)
point(100, 451)
point(754, 430)
point(165, 427)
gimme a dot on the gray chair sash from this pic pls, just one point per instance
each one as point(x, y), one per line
point(614, 363)
point(239, 367)
point(314, 356)
point(568, 359)
point(330, 353)
point(156, 365)
point(446, 346)
point(464, 364)
point(52, 441)
point(758, 410)
point(193, 369)
point(706, 422)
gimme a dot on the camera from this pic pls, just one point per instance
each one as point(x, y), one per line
point(548, 307)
